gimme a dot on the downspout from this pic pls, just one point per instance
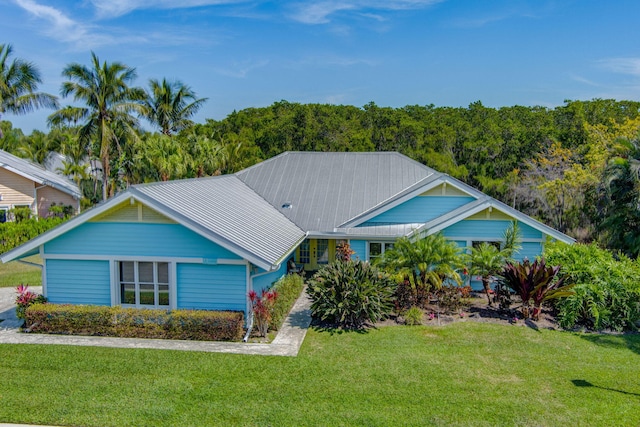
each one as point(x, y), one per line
point(250, 322)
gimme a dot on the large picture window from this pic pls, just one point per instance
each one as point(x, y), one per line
point(144, 283)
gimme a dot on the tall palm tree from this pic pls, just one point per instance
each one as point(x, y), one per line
point(104, 88)
point(170, 105)
point(19, 81)
point(487, 259)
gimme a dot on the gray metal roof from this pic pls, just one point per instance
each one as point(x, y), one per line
point(233, 214)
point(38, 174)
point(325, 190)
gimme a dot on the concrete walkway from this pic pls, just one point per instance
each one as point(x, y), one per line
point(286, 343)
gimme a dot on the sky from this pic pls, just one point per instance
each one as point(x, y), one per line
point(242, 54)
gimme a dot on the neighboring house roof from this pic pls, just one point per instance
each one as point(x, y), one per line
point(38, 174)
point(324, 190)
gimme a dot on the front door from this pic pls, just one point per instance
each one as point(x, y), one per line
point(314, 253)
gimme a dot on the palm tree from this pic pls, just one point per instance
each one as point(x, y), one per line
point(487, 259)
point(428, 261)
point(19, 81)
point(170, 105)
point(110, 101)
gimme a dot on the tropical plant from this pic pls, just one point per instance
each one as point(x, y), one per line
point(25, 299)
point(607, 287)
point(170, 105)
point(413, 316)
point(262, 308)
point(19, 81)
point(486, 259)
point(351, 293)
point(428, 262)
point(534, 282)
point(104, 88)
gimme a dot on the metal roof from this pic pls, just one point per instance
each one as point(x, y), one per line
point(229, 212)
point(38, 174)
point(323, 190)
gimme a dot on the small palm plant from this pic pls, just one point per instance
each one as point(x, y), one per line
point(487, 260)
point(534, 282)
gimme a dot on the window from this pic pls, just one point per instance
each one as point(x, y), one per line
point(477, 243)
point(3, 213)
point(377, 249)
point(305, 252)
point(322, 248)
point(144, 283)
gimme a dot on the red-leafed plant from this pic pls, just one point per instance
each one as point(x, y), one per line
point(344, 252)
point(25, 299)
point(534, 282)
point(262, 307)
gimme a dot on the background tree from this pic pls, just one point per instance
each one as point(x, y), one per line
point(170, 105)
point(104, 88)
point(19, 82)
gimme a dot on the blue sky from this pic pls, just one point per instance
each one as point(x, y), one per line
point(242, 54)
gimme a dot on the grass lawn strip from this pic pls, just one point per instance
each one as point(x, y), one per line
point(461, 374)
point(14, 273)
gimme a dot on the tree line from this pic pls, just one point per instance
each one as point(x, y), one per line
point(575, 167)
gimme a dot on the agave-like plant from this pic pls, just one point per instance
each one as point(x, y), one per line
point(534, 282)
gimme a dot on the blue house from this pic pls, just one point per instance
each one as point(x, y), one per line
point(205, 243)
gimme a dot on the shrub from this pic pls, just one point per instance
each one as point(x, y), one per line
point(606, 291)
point(413, 316)
point(14, 234)
point(450, 298)
point(25, 299)
point(288, 288)
point(135, 323)
point(351, 293)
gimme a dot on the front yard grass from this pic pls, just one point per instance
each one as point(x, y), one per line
point(462, 374)
point(14, 273)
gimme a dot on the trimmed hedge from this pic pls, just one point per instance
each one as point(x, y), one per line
point(135, 323)
point(289, 289)
point(14, 234)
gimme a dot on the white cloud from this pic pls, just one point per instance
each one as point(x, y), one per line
point(114, 8)
point(320, 12)
point(241, 70)
point(63, 28)
point(629, 66)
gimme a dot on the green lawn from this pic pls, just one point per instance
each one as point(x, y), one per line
point(458, 375)
point(15, 273)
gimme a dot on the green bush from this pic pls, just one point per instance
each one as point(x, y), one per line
point(14, 234)
point(413, 316)
point(607, 287)
point(135, 323)
point(351, 293)
point(288, 288)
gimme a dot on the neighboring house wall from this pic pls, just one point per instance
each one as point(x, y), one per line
point(49, 195)
point(16, 190)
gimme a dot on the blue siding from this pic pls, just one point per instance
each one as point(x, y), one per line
point(168, 240)
point(488, 229)
point(462, 244)
point(529, 250)
point(420, 209)
point(360, 249)
point(212, 287)
point(78, 282)
point(265, 281)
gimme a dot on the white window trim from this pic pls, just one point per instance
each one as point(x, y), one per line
point(383, 244)
point(116, 291)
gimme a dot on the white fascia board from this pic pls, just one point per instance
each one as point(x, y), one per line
point(198, 229)
point(63, 228)
point(432, 181)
